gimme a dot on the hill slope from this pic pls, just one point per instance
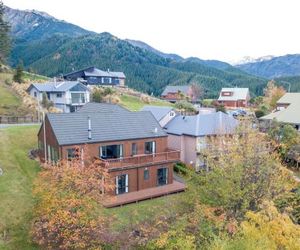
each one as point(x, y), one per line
point(288, 65)
point(67, 47)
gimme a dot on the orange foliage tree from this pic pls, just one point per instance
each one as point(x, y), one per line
point(272, 94)
point(69, 196)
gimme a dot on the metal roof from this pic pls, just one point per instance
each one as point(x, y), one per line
point(202, 124)
point(174, 89)
point(238, 94)
point(289, 98)
point(92, 107)
point(56, 86)
point(109, 125)
point(93, 71)
point(158, 112)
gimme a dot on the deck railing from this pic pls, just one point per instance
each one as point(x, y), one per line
point(171, 155)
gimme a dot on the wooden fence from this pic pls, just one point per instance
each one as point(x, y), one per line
point(18, 119)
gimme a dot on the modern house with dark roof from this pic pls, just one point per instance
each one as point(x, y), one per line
point(287, 111)
point(191, 134)
point(174, 93)
point(67, 96)
point(94, 76)
point(234, 97)
point(162, 114)
point(132, 145)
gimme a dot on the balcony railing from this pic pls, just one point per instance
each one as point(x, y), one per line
point(139, 160)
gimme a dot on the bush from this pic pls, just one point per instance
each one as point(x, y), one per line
point(185, 106)
point(8, 82)
point(181, 168)
point(259, 113)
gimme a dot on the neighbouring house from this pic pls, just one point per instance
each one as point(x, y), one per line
point(94, 76)
point(174, 93)
point(132, 145)
point(162, 114)
point(287, 111)
point(66, 96)
point(234, 97)
point(192, 134)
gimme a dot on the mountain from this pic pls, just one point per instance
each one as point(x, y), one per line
point(31, 25)
point(249, 59)
point(147, 47)
point(56, 47)
point(274, 67)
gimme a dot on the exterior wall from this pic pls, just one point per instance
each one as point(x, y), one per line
point(167, 118)
point(136, 180)
point(122, 82)
point(94, 148)
point(187, 147)
point(230, 104)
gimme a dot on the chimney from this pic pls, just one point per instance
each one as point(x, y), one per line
point(155, 130)
point(89, 128)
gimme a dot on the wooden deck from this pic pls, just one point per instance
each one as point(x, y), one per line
point(145, 194)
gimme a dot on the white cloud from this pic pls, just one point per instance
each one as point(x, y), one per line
point(210, 29)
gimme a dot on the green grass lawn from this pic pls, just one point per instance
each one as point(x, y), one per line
point(16, 201)
point(9, 101)
point(135, 104)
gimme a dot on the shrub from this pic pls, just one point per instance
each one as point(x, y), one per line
point(259, 113)
point(185, 106)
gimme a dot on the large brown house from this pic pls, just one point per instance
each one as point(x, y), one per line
point(234, 97)
point(132, 144)
point(174, 93)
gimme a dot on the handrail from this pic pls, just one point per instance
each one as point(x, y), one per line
point(143, 159)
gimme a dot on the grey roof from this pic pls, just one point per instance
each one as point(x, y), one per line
point(92, 107)
point(93, 71)
point(238, 94)
point(56, 86)
point(202, 124)
point(109, 125)
point(158, 112)
point(290, 98)
point(175, 89)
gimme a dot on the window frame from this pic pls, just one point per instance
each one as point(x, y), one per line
point(153, 147)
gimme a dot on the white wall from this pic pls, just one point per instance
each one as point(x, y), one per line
point(167, 118)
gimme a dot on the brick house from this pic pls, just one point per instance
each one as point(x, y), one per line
point(173, 93)
point(234, 97)
point(132, 144)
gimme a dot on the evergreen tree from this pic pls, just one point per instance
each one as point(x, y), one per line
point(19, 74)
point(4, 36)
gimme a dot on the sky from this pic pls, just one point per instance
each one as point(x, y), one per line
point(226, 30)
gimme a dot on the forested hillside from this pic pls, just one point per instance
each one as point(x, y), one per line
point(52, 47)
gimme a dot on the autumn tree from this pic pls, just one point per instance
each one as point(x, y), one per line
point(272, 94)
point(4, 36)
point(242, 171)
point(197, 91)
point(67, 210)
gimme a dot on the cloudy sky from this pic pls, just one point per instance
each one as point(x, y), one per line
point(210, 29)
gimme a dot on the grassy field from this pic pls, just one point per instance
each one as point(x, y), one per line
point(135, 104)
point(15, 186)
point(9, 101)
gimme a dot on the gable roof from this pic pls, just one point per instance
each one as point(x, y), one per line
point(57, 86)
point(93, 71)
point(92, 107)
point(202, 124)
point(238, 94)
point(289, 98)
point(109, 125)
point(175, 89)
point(158, 112)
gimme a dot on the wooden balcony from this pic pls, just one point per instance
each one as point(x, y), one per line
point(142, 160)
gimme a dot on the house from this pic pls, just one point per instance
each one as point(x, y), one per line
point(132, 145)
point(94, 76)
point(192, 134)
point(287, 111)
point(174, 93)
point(162, 114)
point(67, 96)
point(234, 97)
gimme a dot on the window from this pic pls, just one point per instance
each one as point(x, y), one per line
point(133, 149)
point(150, 147)
point(115, 81)
point(48, 96)
point(162, 176)
point(172, 113)
point(146, 174)
point(35, 94)
point(59, 95)
point(77, 98)
point(71, 153)
point(106, 80)
point(122, 184)
point(111, 151)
